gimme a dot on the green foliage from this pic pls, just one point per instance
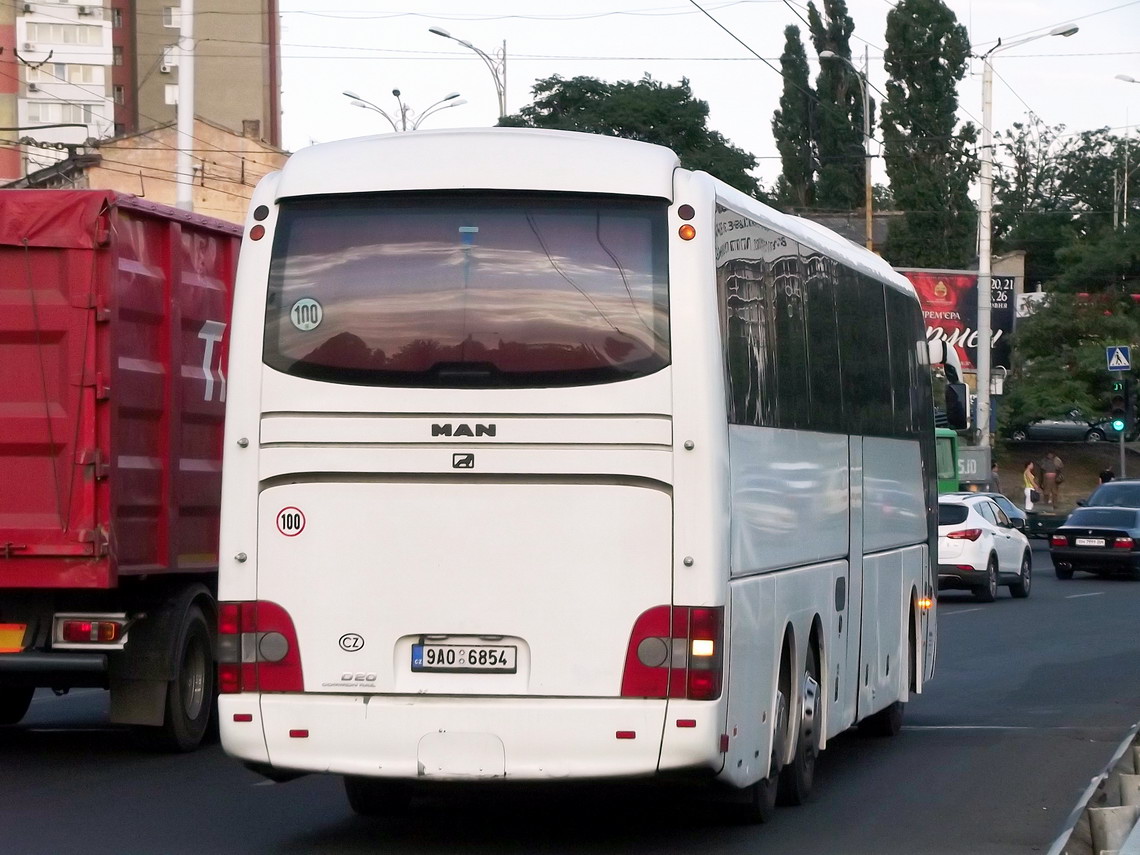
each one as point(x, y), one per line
point(928, 161)
point(1110, 264)
point(646, 110)
point(1053, 190)
point(1059, 359)
point(839, 119)
point(792, 126)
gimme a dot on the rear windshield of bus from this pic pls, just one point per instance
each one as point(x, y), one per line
point(469, 290)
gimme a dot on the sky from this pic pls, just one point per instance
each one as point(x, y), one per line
point(371, 47)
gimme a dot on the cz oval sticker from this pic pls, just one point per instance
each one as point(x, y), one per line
point(290, 521)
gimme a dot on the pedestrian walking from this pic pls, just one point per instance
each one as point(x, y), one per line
point(1051, 470)
point(1029, 481)
point(995, 482)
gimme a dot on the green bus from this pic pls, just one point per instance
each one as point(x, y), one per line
point(946, 446)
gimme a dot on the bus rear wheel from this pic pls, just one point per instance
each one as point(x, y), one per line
point(797, 778)
point(377, 797)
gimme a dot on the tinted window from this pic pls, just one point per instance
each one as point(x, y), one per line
point(820, 276)
point(469, 290)
point(1109, 517)
point(952, 514)
point(1120, 495)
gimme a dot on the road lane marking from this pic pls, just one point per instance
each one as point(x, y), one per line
point(1067, 727)
point(1078, 596)
point(962, 612)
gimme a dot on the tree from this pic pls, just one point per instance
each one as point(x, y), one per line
point(1052, 190)
point(1059, 356)
point(646, 110)
point(928, 162)
point(839, 119)
point(792, 126)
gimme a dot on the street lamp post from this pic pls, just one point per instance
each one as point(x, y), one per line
point(1127, 132)
point(861, 76)
point(985, 229)
point(406, 112)
point(497, 65)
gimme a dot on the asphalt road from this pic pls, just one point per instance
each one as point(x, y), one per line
point(1030, 700)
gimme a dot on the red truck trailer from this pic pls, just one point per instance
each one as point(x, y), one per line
point(113, 320)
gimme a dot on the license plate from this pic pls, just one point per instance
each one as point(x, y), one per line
point(12, 637)
point(1089, 541)
point(464, 658)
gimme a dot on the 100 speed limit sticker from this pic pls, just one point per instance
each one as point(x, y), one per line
point(290, 521)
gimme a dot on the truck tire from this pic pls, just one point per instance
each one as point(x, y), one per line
point(14, 703)
point(190, 695)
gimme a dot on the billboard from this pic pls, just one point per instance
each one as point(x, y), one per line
point(949, 301)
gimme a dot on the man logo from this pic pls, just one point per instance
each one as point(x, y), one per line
point(463, 461)
point(462, 430)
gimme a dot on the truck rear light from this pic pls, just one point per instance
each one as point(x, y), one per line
point(257, 649)
point(94, 631)
point(675, 652)
point(74, 630)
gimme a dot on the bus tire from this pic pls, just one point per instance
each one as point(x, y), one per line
point(14, 703)
point(377, 797)
point(190, 695)
point(797, 778)
point(760, 799)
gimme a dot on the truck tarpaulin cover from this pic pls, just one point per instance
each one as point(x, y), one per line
point(70, 222)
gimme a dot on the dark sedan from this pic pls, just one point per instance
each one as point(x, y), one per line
point(1073, 427)
point(1121, 493)
point(1100, 540)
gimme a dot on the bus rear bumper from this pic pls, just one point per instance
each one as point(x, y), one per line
point(449, 738)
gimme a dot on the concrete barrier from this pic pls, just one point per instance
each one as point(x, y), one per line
point(1105, 820)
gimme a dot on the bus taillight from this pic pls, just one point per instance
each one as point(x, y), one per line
point(675, 652)
point(257, 649)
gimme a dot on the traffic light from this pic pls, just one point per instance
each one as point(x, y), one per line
point(1118, 407)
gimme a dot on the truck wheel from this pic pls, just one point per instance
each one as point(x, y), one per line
point(14, 703)
point(190, 695)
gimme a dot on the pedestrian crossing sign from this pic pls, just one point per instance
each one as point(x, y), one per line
point(1119, 357)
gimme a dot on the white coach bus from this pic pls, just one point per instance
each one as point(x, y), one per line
point(548, 459)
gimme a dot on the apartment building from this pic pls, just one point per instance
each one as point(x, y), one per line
point(110, 69)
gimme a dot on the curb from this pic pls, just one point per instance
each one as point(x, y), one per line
point(1104, 822)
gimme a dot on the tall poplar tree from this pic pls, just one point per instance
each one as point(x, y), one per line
point(928, 161)
point(839, 124)
point(793, 125)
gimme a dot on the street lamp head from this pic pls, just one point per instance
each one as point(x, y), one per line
point(1127, 78)
point(450, 97)
point(396, 92)
point(1063, 30)
point(439, 31)
point(348, 93)
point(828, 54)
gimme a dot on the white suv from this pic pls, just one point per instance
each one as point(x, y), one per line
point(979, 548)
